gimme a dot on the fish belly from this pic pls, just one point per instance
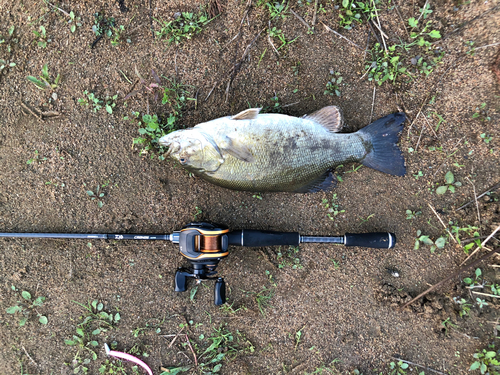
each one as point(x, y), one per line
point(289, 153)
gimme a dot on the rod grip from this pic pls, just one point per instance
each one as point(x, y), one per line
point(378, 240)
point(251, 237)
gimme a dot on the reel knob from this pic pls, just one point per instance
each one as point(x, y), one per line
point(220, 292)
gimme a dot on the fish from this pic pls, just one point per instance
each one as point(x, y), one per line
point(260, 152)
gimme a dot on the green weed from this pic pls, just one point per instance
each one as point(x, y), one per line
point(289, 258)
point(464, 306)
point(481, 112)
point(26, 307)
point(487, 361)
point(277, 33)
point(74, 21)
point(398, 368)
point(41, 35)
point(333, 85)
point(385, 65)
point(95, 321)
point(450, 184)
point(410, 215)
point(96, 196)
point(184, 26)
point(332, 206)
point(44, 81)
point(352, 12)
point(151, 129)
point(262, 298)
point(439, 243)
point(275, 8)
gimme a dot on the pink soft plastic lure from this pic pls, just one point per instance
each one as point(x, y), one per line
point(128, 357)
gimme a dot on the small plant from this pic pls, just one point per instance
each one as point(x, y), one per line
point(385, 65)
point(439, 243)
point(224, 345)
point(44, 81)
point(470, 231)
point(184, 26)
point(418, 175)
point(6, 64)
point(398, 368)
point(447, 324)
point(486, 360)
point(352, 11)
point(332, 207)
point(118, 36)
point(486, 138)
point(481, 302)
point(276, 8)
point(36, 158)
point(289, 258)
point(41, 34)
point(471, 282)
point(96, 196)
point(450, 184)
point(94, 322)
point(277, 33)
point(262, 298)
point(257, 196)
point(151, 130)
point(92, 98)
point(74, 21)
point(481, 113)
point(464, 306)
point(26, 307)
point(103, 26)
point(410, 215)
point(109, 102)
point(198, 212)
point(333, 85)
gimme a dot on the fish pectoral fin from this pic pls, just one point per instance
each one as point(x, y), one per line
point(238, 150)
point(325, 182)
point(329, 117)
point(248, 114)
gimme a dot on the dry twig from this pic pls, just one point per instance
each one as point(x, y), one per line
point(300, 19)
point(190, 347)
point(341, 36)
point(31, 359)
point(441, 221)
point(482, 244)
point(416, 364)
point(452, 276)
point(475, 197)
point(373, 103)
point(480, 196)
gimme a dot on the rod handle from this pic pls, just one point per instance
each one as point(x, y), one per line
point(377, 240)
point(251, 237)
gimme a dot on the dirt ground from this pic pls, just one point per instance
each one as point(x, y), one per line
point(321, 309)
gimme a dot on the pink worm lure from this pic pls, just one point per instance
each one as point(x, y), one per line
point(128, 357)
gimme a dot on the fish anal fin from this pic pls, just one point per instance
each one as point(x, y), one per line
point(325, 182)
point(329, 117)
point(237, 149)
point(248, 114)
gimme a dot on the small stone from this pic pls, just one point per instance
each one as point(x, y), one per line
point(54, 95)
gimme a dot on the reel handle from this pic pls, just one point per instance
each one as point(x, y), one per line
point(377, 240)
point(258, 238)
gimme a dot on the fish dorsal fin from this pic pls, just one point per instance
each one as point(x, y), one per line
point(237, 149)
point(329, 117)
point(325, 182)
point(247, 114)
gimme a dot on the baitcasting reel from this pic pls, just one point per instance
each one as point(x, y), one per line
point(204, 245)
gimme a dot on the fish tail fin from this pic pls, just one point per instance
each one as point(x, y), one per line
point(385, 155)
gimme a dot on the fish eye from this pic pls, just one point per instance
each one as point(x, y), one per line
point(182, 160)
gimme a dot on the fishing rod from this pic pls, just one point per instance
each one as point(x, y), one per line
point(205, 244)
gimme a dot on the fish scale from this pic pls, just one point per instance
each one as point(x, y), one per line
point(274, 152)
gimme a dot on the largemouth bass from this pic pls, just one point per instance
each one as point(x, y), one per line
point(273, 152)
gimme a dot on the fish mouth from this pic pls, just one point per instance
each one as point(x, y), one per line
point(173, 146)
